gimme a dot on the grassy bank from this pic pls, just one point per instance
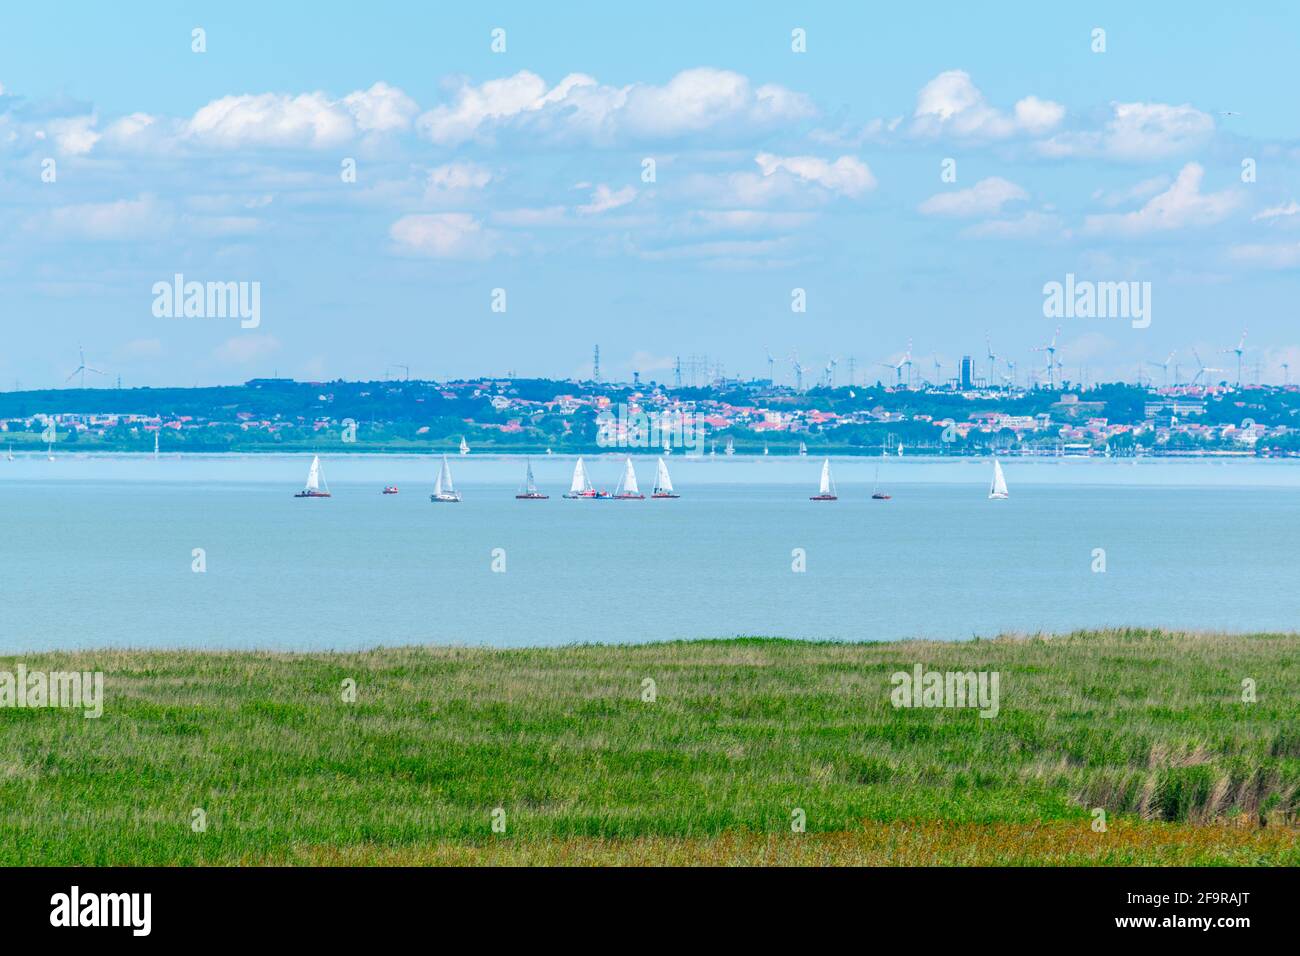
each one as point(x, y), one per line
point(1149, 726)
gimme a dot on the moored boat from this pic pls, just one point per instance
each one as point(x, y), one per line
point(581, 486)
point(390, 489)
point(876, 493)
point(530, 492)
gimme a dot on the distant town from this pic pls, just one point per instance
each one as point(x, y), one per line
point(963, 416)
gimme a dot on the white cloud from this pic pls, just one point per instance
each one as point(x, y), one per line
point(308, 120)
point(1031, 225)
point(1268, 255)
point(125, 219)
point(1291, 208)
point(951, 105)
point(73, 135)
point(455, 180)
point(1137, 132)
point(578, 107)
point(450, 235)
point(246, 349)
point(1181, 206)
point(603, 199)
point(1143, 190)
point(985, 198)
point(848, 175)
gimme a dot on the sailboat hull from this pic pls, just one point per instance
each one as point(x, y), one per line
point(995, 496)
point(824, 498)
point(532, 497)
point(881, 496)
point(629, 497)
point(313, 494)
point(437, 499)
point(664, 494)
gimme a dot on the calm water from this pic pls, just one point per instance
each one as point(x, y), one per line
point(97, 552)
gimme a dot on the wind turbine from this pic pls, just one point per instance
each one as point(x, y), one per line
point(1239, 350)
point(82, 369)
point(771, 362)
point(798, 371)
point(938, 370)
point(1286, 373)
point(904, 363)
point(1164, 365)
point(1050, 349)
point(1011, 367)
point(993, 359)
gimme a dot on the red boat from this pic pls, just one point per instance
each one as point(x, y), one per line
point(881, 496)
point(390, 489)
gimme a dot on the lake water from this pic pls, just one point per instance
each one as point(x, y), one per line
point(97, 551)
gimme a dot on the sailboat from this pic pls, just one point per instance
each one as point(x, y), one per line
point(730, 449)
point(464, 446)
point(826, 490)
point(764, 448)
point(315, 480)
point(155, 446)
point(876, 493)
point(581, 487)
point(443, 489)
point(999, 487)
point(663, 484)
point(49, 452)
point(10, 456)
point(900, 449)
point(627, 488)
point(803, 449)
point(530, 492)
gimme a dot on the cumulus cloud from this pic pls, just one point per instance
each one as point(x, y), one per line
point(578, 107)
point(848, 175)
point(951, 105)
point(73, 135)
point(307, 120)
point(1137, 132)
point(1181, 206)
point(985, 198)
point(450, 235)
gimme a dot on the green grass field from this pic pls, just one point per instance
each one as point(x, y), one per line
point(1149, 726)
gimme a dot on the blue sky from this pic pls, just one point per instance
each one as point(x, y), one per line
point(523, 171)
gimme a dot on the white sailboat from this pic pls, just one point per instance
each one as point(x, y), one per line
point(826, 490)
point(316, 486)
point(730, 449)
point(803, 449)
point(581, 487)
point(764, 448)
point(10, 456)
point(443, 488)
point(900, 449)
point(998, 489)
point(155, 446)
point(464, 446)
point(49, 452)
point(530, 492)
point(627, 488)
point(663, 483)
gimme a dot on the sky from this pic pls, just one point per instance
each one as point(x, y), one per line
point(659, 180)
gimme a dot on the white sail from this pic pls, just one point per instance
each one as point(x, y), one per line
point(580, 481)
point(464, 447)
point(313, 474)
point(530, 486)
point(999, 487)
point(444, 485)
point(731, 447)
point(155, 444)
point(662, 482)
point(629, 480)
point(803, 449)
point(825, 487)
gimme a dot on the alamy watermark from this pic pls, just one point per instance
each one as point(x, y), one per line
point(179, 299)
point(70, 690)
point(629, 429)
point(1084, 299)
point(923, 688)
